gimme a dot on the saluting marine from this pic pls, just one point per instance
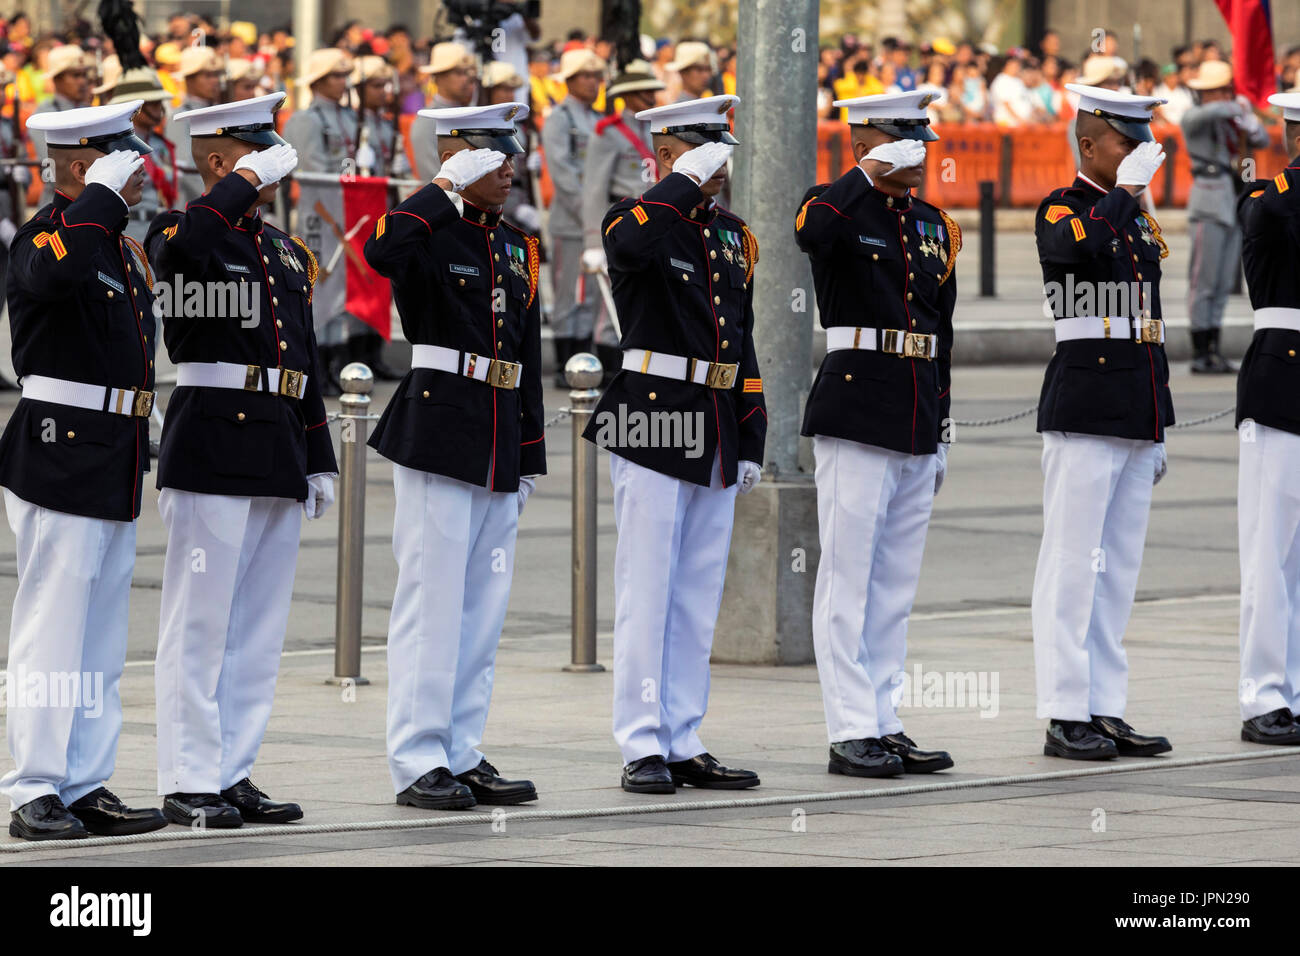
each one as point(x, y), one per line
point(1268, 420)
point(682, 270)
point(1103, 411)
point(162, 183)
point(465, 434)
point(72, 464)
point(201, 69)
point(620, 163)
point(878, 415)
point(245, 454)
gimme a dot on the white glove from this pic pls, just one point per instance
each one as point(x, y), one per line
point(320, 495)
point(899, 153)
point(593, 260)
point(701, 162)
point(269, 165)
point(1139, 167)
point(526, 487)
point(115, 169)
point(750, 475)
point(1162, 462)
point(469, 166)
point(941, 466)
point(526, 215)
point(7, 230)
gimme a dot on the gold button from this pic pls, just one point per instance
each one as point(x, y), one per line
point(875, 256)
point(460, 281)
point(685, 277)
point(716, 277)
point(721, 321)
point(848, 378)
point(500, 322)
point(1291, 352)
point(1101, 360)
point(706, 233)
point(906, 239)
point(274, 300)
point(713, 253)
point(744, 285)
point(151, 363)
point(426, 393)
point(492, 235)
point(72, 434)
point(266, 260)
point(110, 293)
point(259, 240)
point(909, 297)
point(135, 291)
point(652, 396)
point(717, 300)
point(283, 346)
point(1139, 275)
point(498, 278)
point(240, 416)
point(1130, 238)
point(725, 343)
point(128, 267)
point(279, 323)
point(1135, 258)
point(909, 257)
point(271, 279)
point(912, 275)
point(496, 256)
point(500, 345)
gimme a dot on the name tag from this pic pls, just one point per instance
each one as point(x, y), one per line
point(871, 241)
point(236, 267)
point(111, 282)
point(463, 270)
point(678, 264)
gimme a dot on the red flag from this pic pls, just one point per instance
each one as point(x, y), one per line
point(369, 298)
point(1252, 48)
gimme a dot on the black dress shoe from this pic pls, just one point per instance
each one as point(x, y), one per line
point(1275, 727)
point(704, 771)
point(1128, 741)
point(437, 790)
point(648, 775)
point(914, 759)
point(256, 807)
point(866, 757)
point(488, 786)
point(186, 808)
point(103, 814)
point(45, 818)
point(1077, 740)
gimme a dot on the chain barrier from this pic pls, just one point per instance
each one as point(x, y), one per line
point(1003, 419)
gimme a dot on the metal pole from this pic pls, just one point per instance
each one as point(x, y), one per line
point(987, 264)
point(306, 38)
point(357, 381)
point(583, 373)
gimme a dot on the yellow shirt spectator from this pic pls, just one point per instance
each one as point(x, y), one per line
point(854, 84)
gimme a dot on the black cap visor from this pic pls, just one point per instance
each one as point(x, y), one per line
point(502, 140)
point(259, 134)
point(1138, 129)
point(904, 128)
point(110, 143)
point(698, 133)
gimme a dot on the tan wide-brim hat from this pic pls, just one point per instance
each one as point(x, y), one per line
point(110, 71)
point(1100, 69)
point(245, 31)
point(199, 59)
point(367, 68)
point(579, 61)
point(243, 68)
point(322, 63)
point(1212, 75)
point(693, 53)
point(498, 73)
point(448, 56)
point(167, 54)
point(140, 83)
point(635, 78)
point(64, 58)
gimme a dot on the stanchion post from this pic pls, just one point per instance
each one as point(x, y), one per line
point(988, 266)
point(357, 381)
point(583, 373)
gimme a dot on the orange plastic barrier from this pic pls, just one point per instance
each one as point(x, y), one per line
point(962, 158)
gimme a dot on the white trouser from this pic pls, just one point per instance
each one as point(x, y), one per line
point(873, 510)
point(67, 644)
point(227, 587)
point(1096, 501)
point(1268, 529)
point(669, 566)
point(455, 549)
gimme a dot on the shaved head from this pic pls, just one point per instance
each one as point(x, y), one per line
point(1093, 127)
point(70, 167)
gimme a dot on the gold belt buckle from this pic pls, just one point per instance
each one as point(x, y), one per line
point(1150, 330)
point(916, 345)
point(720, 376)
point(142, 404)
point(889, 342)
point(502, 374)
point(290, 383)
point(252, 377)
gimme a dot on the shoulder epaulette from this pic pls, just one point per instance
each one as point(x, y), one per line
point(751, 251)
point(313, 268)
point(141, 259)
point(954, 244)
point(534, 266)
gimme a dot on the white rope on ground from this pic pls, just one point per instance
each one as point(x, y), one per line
point(494, 815)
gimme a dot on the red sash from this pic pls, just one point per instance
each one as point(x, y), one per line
point(166, 190)
point(617, 123)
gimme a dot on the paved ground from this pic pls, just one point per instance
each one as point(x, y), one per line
point(326, 749)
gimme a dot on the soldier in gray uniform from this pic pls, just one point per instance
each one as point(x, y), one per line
point(620, 162)
point(565, 136)
point(161, 175)
point(1218, 131)
point(201, 69)
point(380, 150)
point(325, 134)
point(455, 74)
point(68, 68)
